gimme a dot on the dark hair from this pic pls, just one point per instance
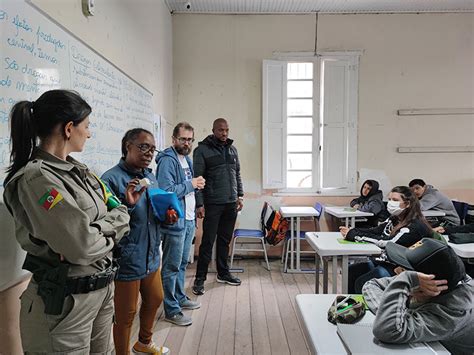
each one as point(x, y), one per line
point(130, 136)
point(31, 120)
point(417, 182)
point(374, 188)
point(409, 214)
point(184, 125)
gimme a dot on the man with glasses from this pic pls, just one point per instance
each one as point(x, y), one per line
point(175, 173)
point(216, 159)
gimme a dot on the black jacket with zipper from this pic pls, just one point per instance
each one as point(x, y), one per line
point(219, 164)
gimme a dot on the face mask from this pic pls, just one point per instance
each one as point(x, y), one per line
point(393, 207)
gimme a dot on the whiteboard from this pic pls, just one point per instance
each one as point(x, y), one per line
point(38, 54)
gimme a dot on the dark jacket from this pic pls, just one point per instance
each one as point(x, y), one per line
point(141, 249)
point(219, 165)
point(372, 203)
point(380, 235)
point(170, 177)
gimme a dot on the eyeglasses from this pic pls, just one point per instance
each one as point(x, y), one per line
point(146, 148)
point(183, 140)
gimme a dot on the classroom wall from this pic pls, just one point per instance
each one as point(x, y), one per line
point(134, 35)
point(408, 61)
point(137, 37)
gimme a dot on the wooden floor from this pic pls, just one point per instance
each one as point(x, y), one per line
point(257, 317)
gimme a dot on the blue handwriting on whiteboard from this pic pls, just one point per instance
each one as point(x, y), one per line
point(48, 38)
point(6, 82)
point(3, 15)
point(21, 43)
point(47, 57)
point(21, 24)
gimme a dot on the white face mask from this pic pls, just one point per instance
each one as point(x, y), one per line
point(393, 207)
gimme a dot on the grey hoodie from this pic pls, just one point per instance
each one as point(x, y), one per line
point(432, 199)
point(448, 318)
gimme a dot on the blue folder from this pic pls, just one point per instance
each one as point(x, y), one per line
point(162, 200)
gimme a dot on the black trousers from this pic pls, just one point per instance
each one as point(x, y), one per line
point(219, 221)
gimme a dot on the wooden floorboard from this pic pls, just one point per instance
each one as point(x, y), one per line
point(258, 317)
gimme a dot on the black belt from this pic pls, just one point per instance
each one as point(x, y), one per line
point(86, 284)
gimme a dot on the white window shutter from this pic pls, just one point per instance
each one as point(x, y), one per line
point(274, 124)
point(338, 123)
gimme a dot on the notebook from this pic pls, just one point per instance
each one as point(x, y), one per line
point(358, 339)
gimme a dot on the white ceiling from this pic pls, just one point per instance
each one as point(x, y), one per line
point(322, 6)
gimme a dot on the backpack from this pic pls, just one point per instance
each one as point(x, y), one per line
point(276, 227)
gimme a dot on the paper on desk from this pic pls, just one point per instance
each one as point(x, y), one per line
point(345, 241)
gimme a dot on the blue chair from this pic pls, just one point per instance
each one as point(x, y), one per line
point(252, 236)
point(284, 255)
point(462, 208)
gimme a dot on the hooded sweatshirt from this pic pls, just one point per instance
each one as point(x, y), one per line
point(372, 202)
point(448, 318)
point(432, 199)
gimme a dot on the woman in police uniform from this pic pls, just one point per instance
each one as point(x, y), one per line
point(64, 224)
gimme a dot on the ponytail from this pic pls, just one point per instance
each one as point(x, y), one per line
point(31, 121)
point(23, 136)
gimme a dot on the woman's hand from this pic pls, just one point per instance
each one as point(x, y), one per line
point(356, 206)
point(439, 229)
point(132, 195)
point(344, 231)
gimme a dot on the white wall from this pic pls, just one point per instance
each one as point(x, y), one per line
point(409, 61)
point(137, 37)
point(134, 35)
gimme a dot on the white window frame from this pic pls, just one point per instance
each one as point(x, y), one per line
point(271, 166)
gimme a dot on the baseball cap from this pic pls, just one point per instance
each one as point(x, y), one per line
point(429, 256)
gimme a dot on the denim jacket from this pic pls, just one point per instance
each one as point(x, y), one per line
point(141, 249)
point(170, 176)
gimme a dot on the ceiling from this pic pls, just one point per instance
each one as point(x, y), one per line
point(321, 6)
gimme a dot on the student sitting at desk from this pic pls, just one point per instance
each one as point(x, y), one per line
point(370, 200)
point(460, 235)
point(431, 199)
point(432, 300)
point(406, 226)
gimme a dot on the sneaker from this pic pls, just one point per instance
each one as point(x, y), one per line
point(151, 348)
point(179, 319)
point(198, 287)
point(189, 304)
point(229, 279)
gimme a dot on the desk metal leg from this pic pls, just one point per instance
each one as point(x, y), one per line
point(353, 222)
point(345, 273)
point(292, 245)
point(334, 274)
point(298, 251)
point(347, 221)
point(316, 267)
point(325, 276)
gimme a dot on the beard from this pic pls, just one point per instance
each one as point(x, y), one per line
point(183, 150)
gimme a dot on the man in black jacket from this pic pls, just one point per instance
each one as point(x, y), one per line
point(217, 161)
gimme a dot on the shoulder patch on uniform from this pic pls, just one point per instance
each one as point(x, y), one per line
point(50, 199)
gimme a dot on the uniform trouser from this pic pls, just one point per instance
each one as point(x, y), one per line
point(83, 327)
point(173, 270)
point(126, 299)
point(219, 220)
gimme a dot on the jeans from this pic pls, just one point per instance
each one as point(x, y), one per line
point(174, 262)
point(219, 220)
point(360, 273)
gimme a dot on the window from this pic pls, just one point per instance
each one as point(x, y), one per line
point(310, 124)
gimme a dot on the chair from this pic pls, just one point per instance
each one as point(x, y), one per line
point(284, 255)
point(462, 209)
point(252, 236)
